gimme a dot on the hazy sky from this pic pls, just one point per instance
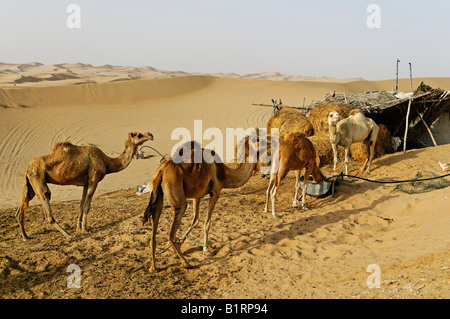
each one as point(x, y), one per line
point(296, 37)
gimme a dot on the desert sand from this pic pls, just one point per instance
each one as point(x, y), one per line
point(320, 253)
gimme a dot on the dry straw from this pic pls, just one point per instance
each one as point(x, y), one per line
point(324, 151)
point(289, 120)
point(318, 117)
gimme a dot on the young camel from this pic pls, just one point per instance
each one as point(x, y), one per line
point(179, 180)
point(294, 152)
point(353, 129)
point(288, 121)
point(69, 164)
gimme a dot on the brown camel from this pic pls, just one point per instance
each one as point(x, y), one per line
point(289, 120)
point(190, 180)
point(294, 152)
point(69, 164)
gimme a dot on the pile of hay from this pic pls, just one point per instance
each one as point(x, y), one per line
point(382, 147)
point(315, 127)
point(324, 152)
point(318, 117)
point(289, 120)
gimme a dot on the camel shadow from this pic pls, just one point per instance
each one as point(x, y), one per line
point(302, 226)
point(308, 224)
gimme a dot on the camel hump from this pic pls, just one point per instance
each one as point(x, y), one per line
point(293, 136)
point(355, 112)
point(61, 145)
point(358, 117)
point(65, 148)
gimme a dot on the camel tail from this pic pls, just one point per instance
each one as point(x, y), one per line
point(27, 195)
point(156, 196)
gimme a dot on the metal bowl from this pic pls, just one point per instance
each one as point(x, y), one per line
point(140, 188)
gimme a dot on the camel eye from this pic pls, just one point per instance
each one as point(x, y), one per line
point(140, 135)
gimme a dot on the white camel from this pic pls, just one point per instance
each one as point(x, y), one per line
point(353, 129)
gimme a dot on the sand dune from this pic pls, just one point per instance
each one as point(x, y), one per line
point(320, 253)
point(107, 72)
point(84, 108)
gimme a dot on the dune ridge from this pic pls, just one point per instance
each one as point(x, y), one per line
point(34, 71)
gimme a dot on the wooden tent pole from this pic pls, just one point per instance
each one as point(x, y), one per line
point(429, 131)
point(407, 125)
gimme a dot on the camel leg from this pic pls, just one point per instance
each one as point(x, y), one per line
point(335, 157)
point(196, 204)
point(347, 151)
point(371, 155)
point(269, 191)
point(367, 148)
point(280, 176)
point(20, 213)
point(155, 220)
point(87, 205)
point(178, 214)
point(372, 143)
point(371, 146)
point(44, 195)
point(308, 171)
point(370, 152)
point(297, 187)
point(80, 217)
point(212, 203)
point(273, 195)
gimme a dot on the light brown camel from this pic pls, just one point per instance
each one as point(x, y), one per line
point(353, 129)
point(178, 182)
point(294, 152)
point(289, 120)
point(69, 164)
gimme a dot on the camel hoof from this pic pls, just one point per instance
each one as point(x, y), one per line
point(304, 207)
point(295, 204)
point(206, 252)
point(187, 266)
point(153, 270)
point(26, 238)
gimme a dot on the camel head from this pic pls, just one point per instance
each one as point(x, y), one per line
point(137, 139)
point(252, 149)
point(333, 118)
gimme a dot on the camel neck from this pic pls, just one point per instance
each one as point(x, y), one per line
point(334, 136)
point(237, 177)
point(121, 162)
